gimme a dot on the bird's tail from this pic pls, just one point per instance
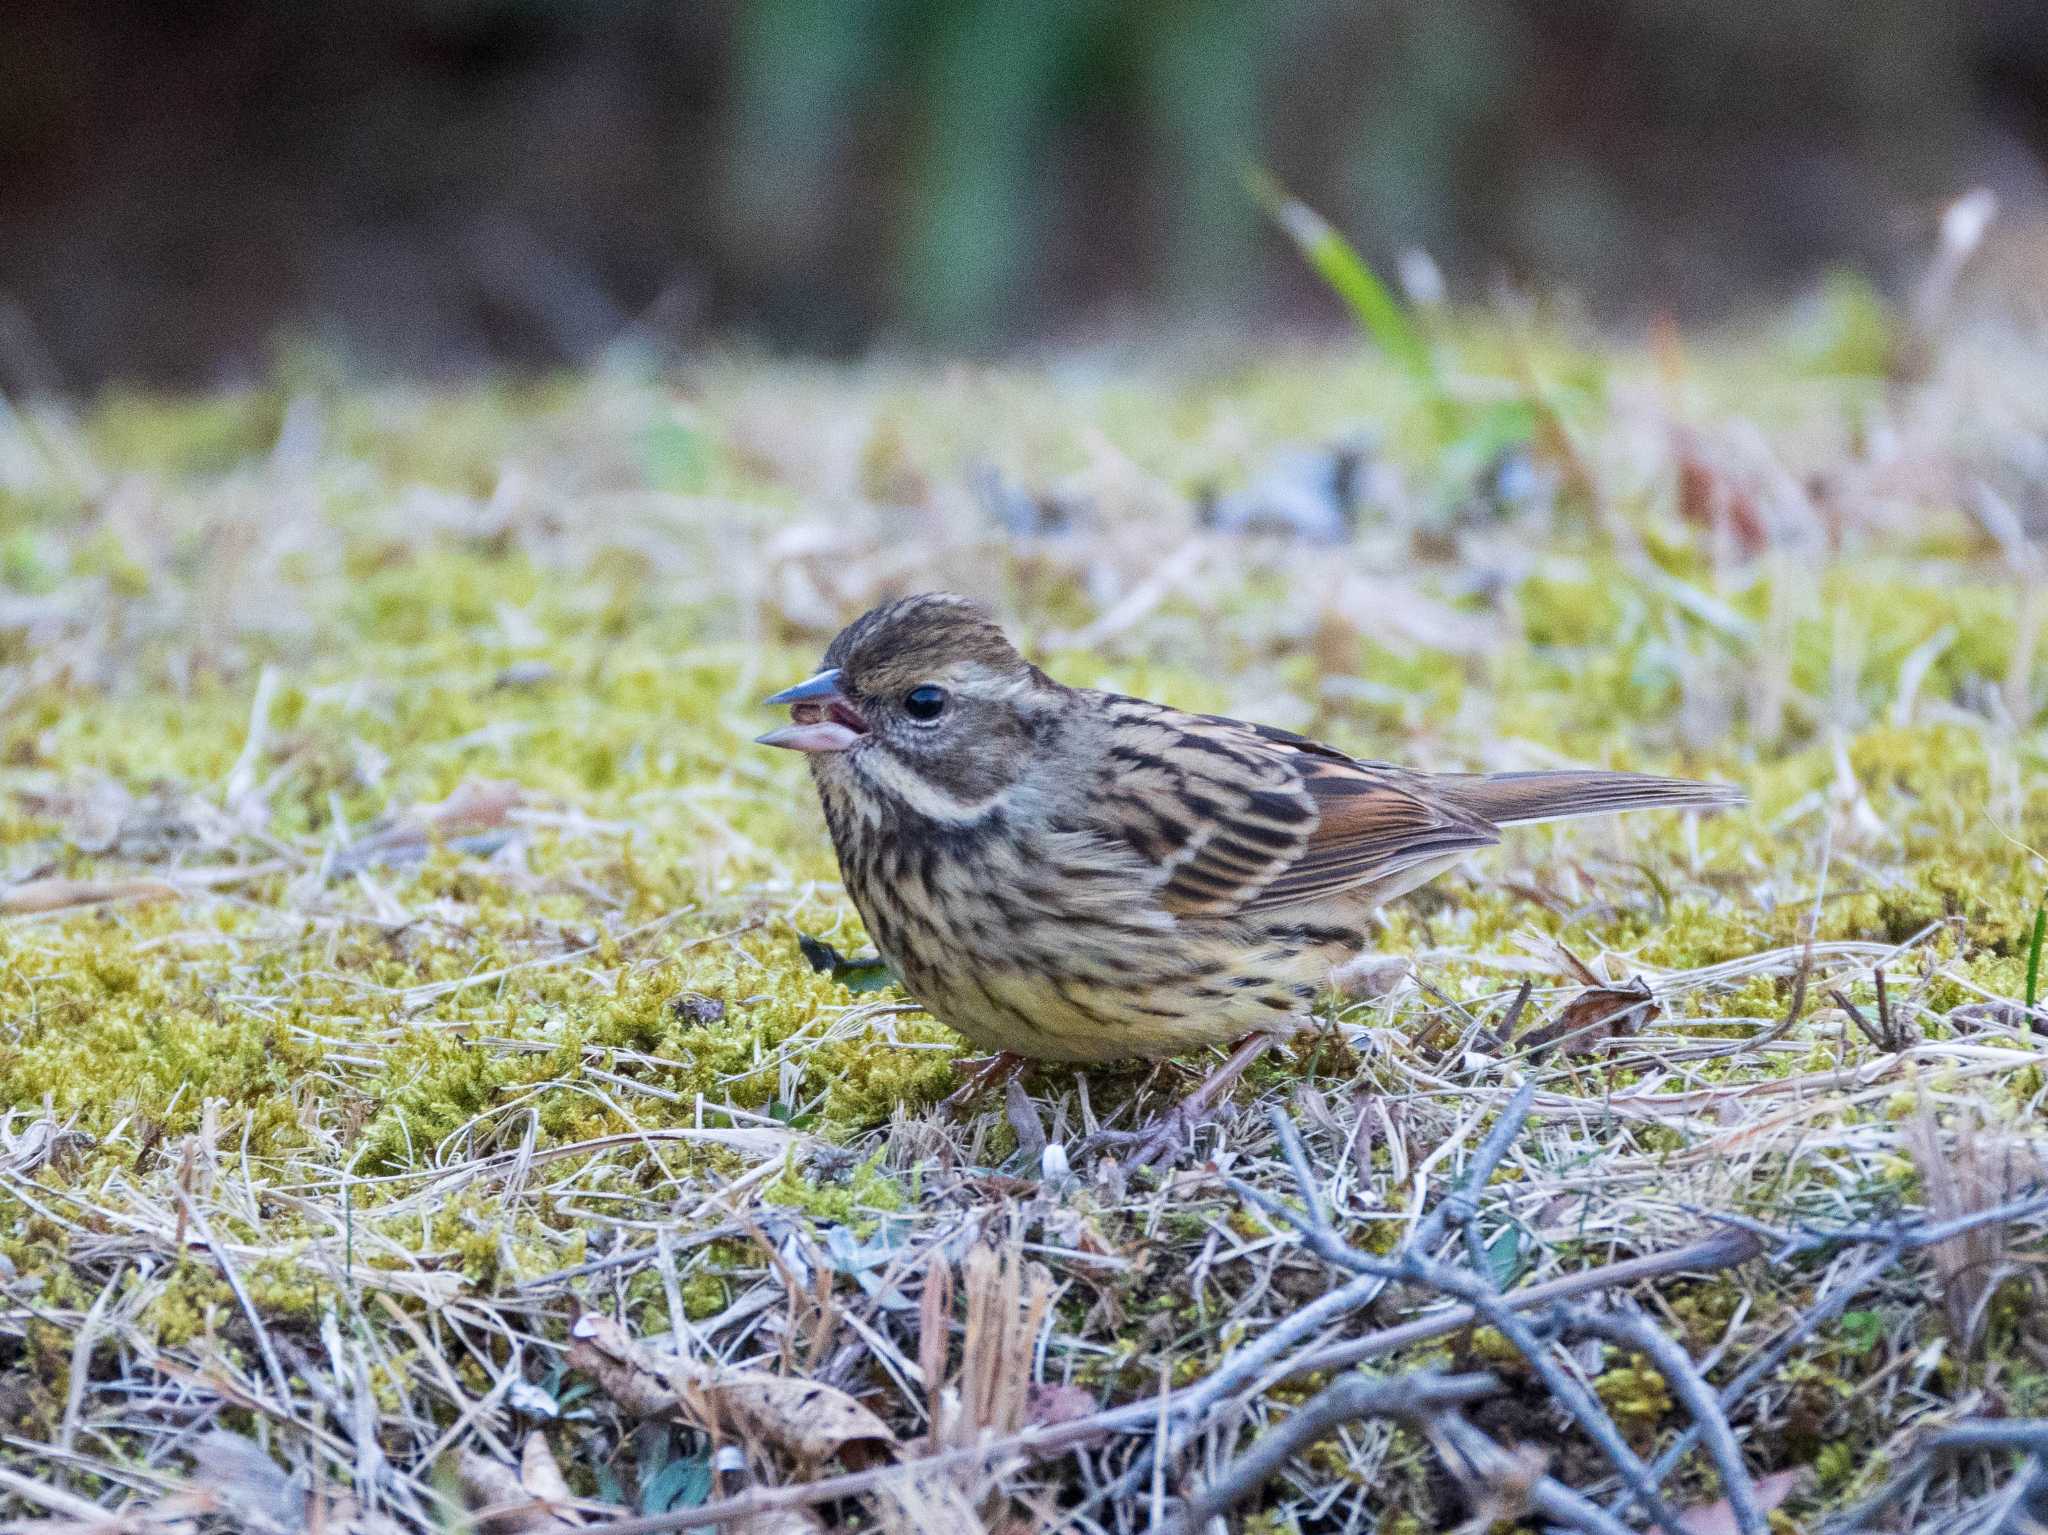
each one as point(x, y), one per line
point(1507, 799)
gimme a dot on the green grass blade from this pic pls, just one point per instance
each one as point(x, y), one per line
point(1349, 275)
point(2034, 955)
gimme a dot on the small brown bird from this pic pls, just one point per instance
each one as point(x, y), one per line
point(1073, 875)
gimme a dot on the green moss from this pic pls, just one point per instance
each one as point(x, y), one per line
point(1636, 1395)
point(704, 1295)
point(584, 585)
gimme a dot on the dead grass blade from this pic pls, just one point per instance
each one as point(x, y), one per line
point(1963, 1174)
point(34, 896)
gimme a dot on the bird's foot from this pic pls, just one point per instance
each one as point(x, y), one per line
point(979, 1075)
point(1166, 1138)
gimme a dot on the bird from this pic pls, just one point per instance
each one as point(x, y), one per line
point(1069, 874)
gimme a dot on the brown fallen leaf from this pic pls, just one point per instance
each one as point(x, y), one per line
point(1597, 1013)
point(476, 804)
point(530, 1497)
point(39, 1140)
point(36, 895)
point(246, 1484)
point(473, 818)
point(541, 1475)
point(1717, 1518)
point(811, 1421)
point(1051, 1403)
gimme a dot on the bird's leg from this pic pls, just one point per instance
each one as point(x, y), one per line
point(1167, 1135)
point(980, 1075)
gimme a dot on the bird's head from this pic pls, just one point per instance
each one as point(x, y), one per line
point(922, 698)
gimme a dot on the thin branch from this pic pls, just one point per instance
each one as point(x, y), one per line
point(1545, 1495)
point(1408, 1398)
point(1409, 1265)
point(1631, 1329)
point(1249, 1361)
point(1723, 1250)
point(1763, 1363)
point(1905, 1236)
point(1983, 1435)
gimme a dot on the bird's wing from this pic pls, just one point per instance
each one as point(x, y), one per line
point(1244, 818)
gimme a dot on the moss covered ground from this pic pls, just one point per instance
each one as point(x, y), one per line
point(400, 936)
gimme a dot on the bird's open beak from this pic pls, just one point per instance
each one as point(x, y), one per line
point(821, 719)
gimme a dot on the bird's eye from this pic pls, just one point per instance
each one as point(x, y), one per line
point(925, 704)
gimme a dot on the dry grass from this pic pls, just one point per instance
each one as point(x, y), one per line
point(399, 957)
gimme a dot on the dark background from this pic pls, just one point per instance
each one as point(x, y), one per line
point(434, 185)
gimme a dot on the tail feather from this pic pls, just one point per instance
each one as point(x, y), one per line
point(1508, 799)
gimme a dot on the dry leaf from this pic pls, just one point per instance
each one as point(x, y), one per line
point(57, 894)
point(532, 1497)
point(37, 1142)
point(795, 1520)
point(539, 1473)
point(811, 1421)
point(476, 808)
point(477, 804)
point(1597, 1013)
point(246, 1483)
point(1047, 1405)
point(635, 1377)
point(1717, 1518)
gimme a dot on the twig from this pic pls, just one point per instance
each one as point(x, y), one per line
point(1409, 1265)
point(1983, 1436)
point(1986, 1434)
point(1717, 1252)
point(1908, 1238)
point(55, 1499)
point(1633, 1330)
point(1248, 1362)
point(1725, 1249)
point(631, 1255)
point(1893, 1242)
point(1243, 1366)
point(1411, 1268)
point(1409, 1398)
point(1884, 1034)
point(764, 1500)
point(1769, 1359)
point(1856, 1017)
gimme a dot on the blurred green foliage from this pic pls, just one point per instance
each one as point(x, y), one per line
point(427, 183)
point(992, 82)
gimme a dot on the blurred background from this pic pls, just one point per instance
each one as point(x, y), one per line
point(437, 185)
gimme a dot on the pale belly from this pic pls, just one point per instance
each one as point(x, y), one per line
point(1166, 1002)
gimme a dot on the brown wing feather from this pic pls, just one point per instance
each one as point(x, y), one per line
point(1245, 818)
point(1511, 799)
point(1374, 821)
